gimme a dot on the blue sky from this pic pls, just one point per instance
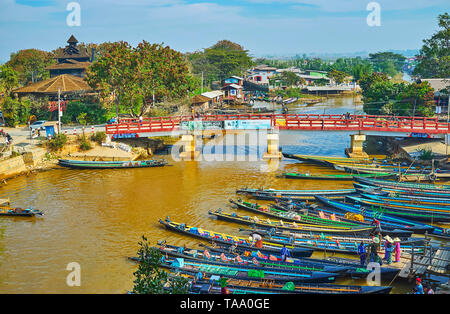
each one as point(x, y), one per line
point(282, 27)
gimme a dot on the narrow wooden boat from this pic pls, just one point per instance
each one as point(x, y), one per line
point(409, 200)
point(383, 192)
point(386, 215)
point(354, 268)
point(229, 240)
point(224, 258)
point(80, 164)
point(325, 161)
point(404, 191)
point(389, 228)
point(279, 224)
point(406, 211)
point(236, 286)
point(336, 177)
point(358, 171)
point(408, 185)
point(8, 211)
point(245, 273)
point(271, 194)
point(291, 216)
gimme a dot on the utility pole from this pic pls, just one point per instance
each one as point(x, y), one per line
point(202, 82)
point(59, 110)
point(448, 119)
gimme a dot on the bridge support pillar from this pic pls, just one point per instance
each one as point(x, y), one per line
point(273, 147)
point(356, 146)
point(189, 145)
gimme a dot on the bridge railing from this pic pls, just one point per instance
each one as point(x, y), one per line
point(290, 121)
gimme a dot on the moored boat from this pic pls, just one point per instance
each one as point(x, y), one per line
point(229, 240)
point(81, 164)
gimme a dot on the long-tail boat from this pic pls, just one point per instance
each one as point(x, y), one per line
point(19, 212)
point(237, 286)
point(229, 240)
point(405, 185)
point(421, 213)
point(225, 258)
point(386, 215)
point(355, 270)
point(326, 161)
point(271, 194)
point(409, 200)
point(81, 164)
point(336, 177)
point(403, 191)
point(246, 273)
point(332, 241)
point(291, 226)
point(292, 216)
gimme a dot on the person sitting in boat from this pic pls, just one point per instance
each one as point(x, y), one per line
point(256, 240)
point(377, 224)
point(285, 253)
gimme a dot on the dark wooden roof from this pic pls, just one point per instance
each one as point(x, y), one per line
point(69, 64)
point(72, 40)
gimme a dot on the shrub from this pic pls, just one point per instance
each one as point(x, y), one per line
point(57, 142)
point(425, 154)
point(85, 144)
point(98, 137)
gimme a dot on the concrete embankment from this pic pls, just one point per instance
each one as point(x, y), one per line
point(33, 160)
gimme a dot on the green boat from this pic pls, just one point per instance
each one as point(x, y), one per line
point(81, 164)
point(347, 177)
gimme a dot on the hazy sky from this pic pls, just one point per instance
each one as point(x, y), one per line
point(261, 26)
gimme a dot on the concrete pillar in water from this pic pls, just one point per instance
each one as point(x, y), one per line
point(356, 147)
point(273, 144)
point(189, 146)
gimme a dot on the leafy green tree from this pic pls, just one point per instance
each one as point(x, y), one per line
point(337, 76)
point(135, 75)
point(151, 278)
point(387, 62)
point(434, 57)
point(30, 65)
point(8, 79)
point(16, 112)
point(220, 61)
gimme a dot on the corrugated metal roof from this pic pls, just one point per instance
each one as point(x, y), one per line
point(213, 94)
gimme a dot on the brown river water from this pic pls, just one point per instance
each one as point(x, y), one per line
point(97, 217)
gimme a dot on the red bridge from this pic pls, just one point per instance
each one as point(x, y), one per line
point(305, 122)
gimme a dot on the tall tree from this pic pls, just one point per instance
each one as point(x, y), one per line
point(387, 62)
point(30, 65)
point(222, 60)
point(434, 57)
point(137, 75)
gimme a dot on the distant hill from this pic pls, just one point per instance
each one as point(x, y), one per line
point(362, 54)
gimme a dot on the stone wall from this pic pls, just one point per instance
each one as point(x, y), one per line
point(12, 167)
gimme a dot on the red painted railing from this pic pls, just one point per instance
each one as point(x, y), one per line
point(292, 122)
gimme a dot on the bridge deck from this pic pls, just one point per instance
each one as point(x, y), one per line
point(289, 122)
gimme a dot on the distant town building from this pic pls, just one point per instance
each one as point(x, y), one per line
point(233, 92)
point(233, 80)
point(261, 74)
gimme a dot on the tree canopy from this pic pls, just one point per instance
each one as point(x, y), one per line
point(135, 75)
point(30, 65)
point(434, 57)
point(221, 60)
